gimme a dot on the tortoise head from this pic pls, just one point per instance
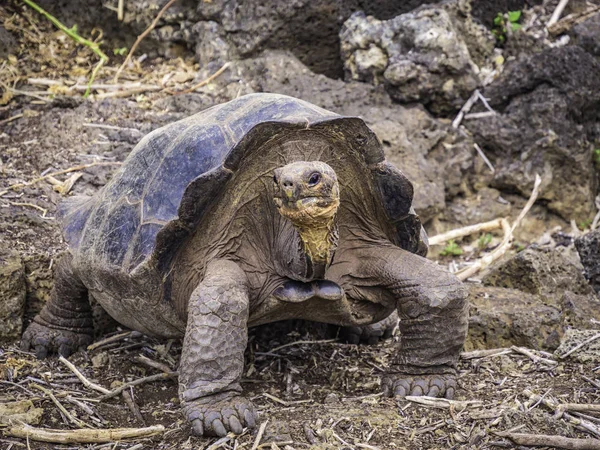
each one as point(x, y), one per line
point(307, 193)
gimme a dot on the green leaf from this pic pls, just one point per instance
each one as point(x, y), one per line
point(514, 16)
point(499, 19)
point(516, 26)
point(452, 249)
point(120, 51)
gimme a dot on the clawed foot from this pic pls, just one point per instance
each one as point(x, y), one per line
point(219, 414)
point(44, 340)
point(401, 385)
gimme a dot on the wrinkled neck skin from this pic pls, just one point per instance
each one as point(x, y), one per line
point(318, 233)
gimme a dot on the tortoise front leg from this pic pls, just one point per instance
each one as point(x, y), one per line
point(212, 360)
point(433, 310)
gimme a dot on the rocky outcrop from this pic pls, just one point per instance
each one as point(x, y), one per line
point(420, 56)
point(588, 247)
point(587, 35)
point(501, 317)
point(543, 272)
point(547, 119)
point(531, 300)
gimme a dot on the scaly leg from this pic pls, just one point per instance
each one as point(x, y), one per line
point(370, 334)
point(433, 310)
point(212, 360)
point(65, 323)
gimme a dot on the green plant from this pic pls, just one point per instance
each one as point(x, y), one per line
point(452, 249)
point(503, 21)
point(120, 51)
point(596, 157)
point(584, 224)
point(484, 240)
point(518, 247)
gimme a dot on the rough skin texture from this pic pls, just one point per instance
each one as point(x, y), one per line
point(213, 353)
point(262, 209)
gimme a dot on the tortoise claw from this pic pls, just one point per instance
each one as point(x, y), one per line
point(435, 385)
point(217, 417)
point(45, 340)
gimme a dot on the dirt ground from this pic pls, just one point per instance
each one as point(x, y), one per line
point(320, 395)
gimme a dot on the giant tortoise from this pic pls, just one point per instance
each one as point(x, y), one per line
point(257, 210)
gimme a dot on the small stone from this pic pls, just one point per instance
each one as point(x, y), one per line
point(100, 360)
point(331, 398)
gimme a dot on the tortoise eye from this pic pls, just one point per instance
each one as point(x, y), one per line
point(314, 179)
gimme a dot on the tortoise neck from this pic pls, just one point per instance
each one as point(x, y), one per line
point(318, 243)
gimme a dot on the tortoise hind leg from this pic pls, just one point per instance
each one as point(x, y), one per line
point(65, 323)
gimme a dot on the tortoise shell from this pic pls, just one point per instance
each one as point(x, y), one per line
point(161, 192)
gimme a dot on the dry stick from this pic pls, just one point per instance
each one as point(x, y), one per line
point(203, 82)
point(151, 363)
point(465, 231)
point(579, 407)
point(508, 236)
point(577, 347)
point(485, 353)
point(442, 402)
point(557, 13)
point(465, 109)
point(566, 23)
point(489, 258)
point(259, 436)
point(140, 38)
point(581, 424)
point(151, 378)
point(535, 358)
point(15, 187)
point(81, 436)
point(76, 37)
point(109, 340)
point(68, 415)
point(10, 119)
point(87, 383)
point(485, 158)
point(325, 341)
point(133, 407)
point(544, 440)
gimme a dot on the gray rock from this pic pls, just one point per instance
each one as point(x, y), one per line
point(12, 296)
point(541, 272)
point(546, 124)
point(588, 353)
point(502, 317)
point(587, 35)
point(420, 56)
point(588, 247)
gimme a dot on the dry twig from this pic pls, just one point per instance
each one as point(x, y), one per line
point(60, 406)
point(87, 383)
point(15, 187)
point(259, 435)
point(535, 358)
point(140, 38)
point(544, 440)
point(202, 83)
point(577, 347)
point(485, 353)
point(442, 402)
point(465, 231)
point(151, 378)
point(82, 436)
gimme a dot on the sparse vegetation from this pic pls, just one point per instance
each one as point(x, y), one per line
point(452, 249)
point(503, 22)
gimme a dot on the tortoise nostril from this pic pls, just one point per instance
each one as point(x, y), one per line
point(288, 184)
